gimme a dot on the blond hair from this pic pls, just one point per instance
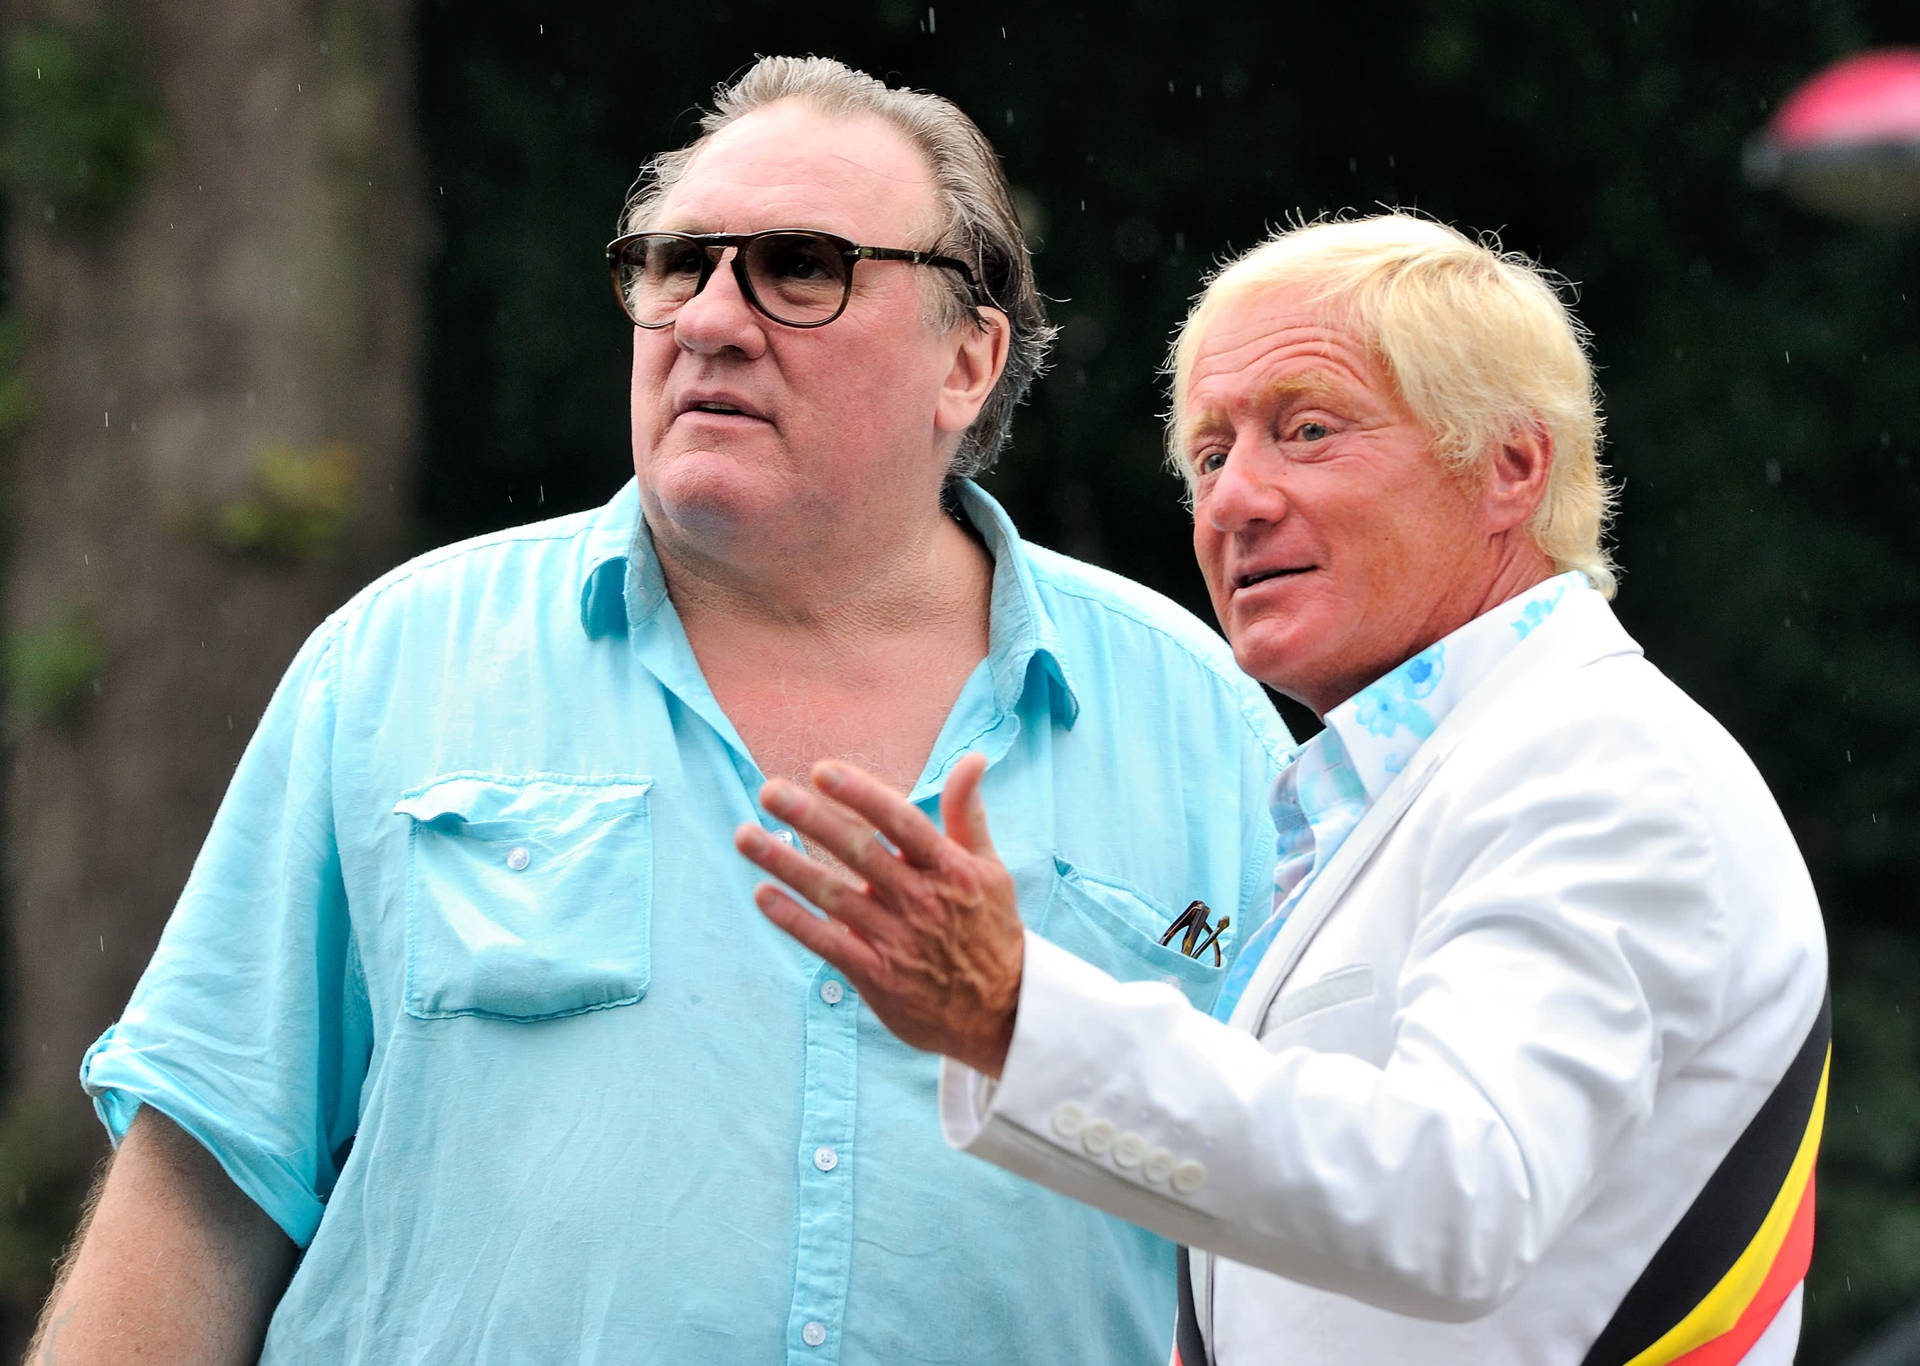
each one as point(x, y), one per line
point(977, 221)
point(1476, 339)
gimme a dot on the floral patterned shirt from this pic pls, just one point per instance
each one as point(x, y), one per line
point(1327, 784)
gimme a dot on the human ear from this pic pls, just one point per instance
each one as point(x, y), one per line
point(1517, 477)
point(980, 355)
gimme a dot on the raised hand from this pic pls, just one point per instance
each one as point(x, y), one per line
point(924, 925)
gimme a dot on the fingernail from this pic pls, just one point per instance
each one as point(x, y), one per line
point(831, 775)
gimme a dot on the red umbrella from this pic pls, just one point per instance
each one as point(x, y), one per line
point(1848, 141)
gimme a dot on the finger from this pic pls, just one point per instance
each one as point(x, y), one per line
point(828, 888)
point(961, 809)
point(918, 839)
point(832, 827)
point(831, 939)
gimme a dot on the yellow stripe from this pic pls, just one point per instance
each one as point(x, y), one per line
point(1722, 1307)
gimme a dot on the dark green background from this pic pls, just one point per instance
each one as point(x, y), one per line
point(1761, 364)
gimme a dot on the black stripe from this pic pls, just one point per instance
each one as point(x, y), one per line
point(1727, 1213)
point(1186, 1323)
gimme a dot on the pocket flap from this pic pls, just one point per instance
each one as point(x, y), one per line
point(483, 802)
point(1351, 983)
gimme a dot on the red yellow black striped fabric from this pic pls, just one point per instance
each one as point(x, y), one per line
point(1745, 1242)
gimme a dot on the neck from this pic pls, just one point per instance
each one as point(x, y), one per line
point(840, 592)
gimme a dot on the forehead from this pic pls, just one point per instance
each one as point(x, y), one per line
point(789, 166)
point(1276, 336)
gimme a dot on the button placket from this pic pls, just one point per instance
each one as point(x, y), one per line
point(823, 1206)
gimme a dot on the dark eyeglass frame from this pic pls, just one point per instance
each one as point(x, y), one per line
point(1193, 921)
point(713, 244)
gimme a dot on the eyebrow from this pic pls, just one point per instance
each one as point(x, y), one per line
point(1285, 392)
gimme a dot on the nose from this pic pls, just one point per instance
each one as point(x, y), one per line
point(719, 318)
point(1245, 491)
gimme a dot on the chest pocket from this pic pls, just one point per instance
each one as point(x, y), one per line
point(527, 898)
point(1118, 930)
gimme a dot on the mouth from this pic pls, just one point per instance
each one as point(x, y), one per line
point(1267, 575)
point(717, 407)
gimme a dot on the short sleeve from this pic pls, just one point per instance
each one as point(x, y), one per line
point(250, 1028)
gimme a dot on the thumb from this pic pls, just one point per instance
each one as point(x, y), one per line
point(962, 811)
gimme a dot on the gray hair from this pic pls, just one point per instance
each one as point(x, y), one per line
point(977, 219)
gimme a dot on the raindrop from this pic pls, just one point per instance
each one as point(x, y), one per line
point(1003, 30)
point(1169, 87)
point(1636, 15)
point(106, 419)
point(103, 943)
point(1789, 356)
point(1353, 165)
point(1009, 118)
point(1773, 473)
point(543, 30)
point(930, 19)
point(1196, 92)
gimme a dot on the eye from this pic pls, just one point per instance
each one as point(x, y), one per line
point(1209, 462)
point(1312, 431)
point(798, 260)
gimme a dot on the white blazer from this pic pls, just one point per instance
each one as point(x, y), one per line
point(1499, 1048)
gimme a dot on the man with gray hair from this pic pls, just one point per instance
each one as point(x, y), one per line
point(1526, 1062)
point(466, 1006)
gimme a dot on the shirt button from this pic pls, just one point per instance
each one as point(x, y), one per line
point(518, 858)
point(1098, 1137)
point(786, 837)
point(1069, 1118)
point(831, 991)
point(826, 1159)
point(814, 1333)
point(1189, 1177)
point(1158, 1166)
point(1129, 1150)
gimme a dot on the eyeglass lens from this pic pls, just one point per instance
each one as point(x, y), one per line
point(792, 277)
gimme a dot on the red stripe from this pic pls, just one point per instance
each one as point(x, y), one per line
point(1788, 1270)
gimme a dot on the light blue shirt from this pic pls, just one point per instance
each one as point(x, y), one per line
point(468, 992)
point(1328, 784)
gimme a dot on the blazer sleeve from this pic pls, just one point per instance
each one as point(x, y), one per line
point(1569, 944)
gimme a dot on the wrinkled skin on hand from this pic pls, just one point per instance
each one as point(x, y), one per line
point(930, 935)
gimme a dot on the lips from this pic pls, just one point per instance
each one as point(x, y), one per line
point(716, 404)
point(1256, 576)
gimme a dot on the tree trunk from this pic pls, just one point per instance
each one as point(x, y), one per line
point(221, 365)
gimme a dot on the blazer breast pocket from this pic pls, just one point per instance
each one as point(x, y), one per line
point(1118, 930)
point(1297, 1004)
point(527, 898)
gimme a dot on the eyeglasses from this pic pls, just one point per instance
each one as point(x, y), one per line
point(1190, 924)
point(795, 276)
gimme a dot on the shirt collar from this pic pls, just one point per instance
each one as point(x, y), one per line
point(1381, 726)
point(622, 583)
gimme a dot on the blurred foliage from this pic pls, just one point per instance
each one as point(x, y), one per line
point(1758, 362)
point(80, 123)
point(52, 672)
point(45, 1170)
point(295, 507)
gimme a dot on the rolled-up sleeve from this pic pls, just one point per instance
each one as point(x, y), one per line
point(250, 1028)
